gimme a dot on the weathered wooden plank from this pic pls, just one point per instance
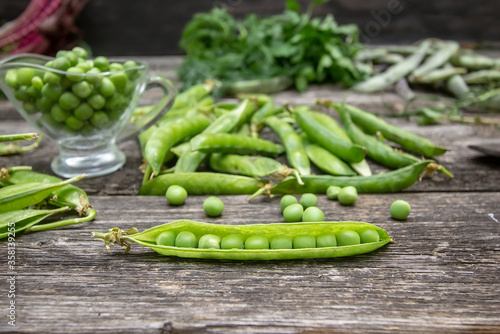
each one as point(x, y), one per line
point(440, 274)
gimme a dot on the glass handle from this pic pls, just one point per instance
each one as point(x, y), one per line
point(156, 112)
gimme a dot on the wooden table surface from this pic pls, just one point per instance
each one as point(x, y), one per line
point(441, 273)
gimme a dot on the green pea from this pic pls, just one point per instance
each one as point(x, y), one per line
point(130, 64)
point(209, 241)
point(29, 107)
point(43, 104)
point(117, 103)
point(166, 238)
point(115, 66)
point(257, 242)
point(72, 57)
point(347, 195)
point(348, 237)
point(304, 241)
point(176, 195)
point(11, 78)
point(400, 209)
point(84, 65)
point(52, 92)
point(61, 63)
point(82, 89)
point(76, 71)
point(32, 91)
point(119, 79)
point(80, 52)
point(308, 200)
point(59, 114)
point(232, 241)
point(83, 112)
point(287, 200)
point(74, 123)
point(96, 101)
point(92, 76)
point(24, 75)
point(37, 83)
point(107, 87)
point(100, 119)
point(101, 63)
point(293, 213)
point(281, 243)
point(326, 240)
point(332, 192)
point(68, 101)
point(367, 236)
point(213, 206)
point(22, 94)
point(185, 239)
point(313, 214)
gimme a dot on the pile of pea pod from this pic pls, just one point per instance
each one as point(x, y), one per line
point(472, 79)
point(30, 200)
point(218, 148)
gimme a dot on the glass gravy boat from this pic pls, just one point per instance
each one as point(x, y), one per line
point(82, 112)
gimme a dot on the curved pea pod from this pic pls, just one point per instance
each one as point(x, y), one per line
point(235, 144)
point(192, 94)
point(254, 166)
point(167, 135)
point(326, 161)
point(389, 182)
point(372, 124)
point(294, 147)
point(148, 237)
point(200, 183)
point(19, 196)
point(321, 135)
point(23, 220)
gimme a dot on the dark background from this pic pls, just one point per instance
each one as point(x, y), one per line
point(154, 27)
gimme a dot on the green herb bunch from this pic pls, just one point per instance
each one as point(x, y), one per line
point(290, 44)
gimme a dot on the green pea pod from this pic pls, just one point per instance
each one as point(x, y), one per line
point(482, 77)
point(202, 183)
point(148, 238)
point(19, 196)
point(295, 151)
point(372, 124)
point(15, 148)
point(166, 136)
point(362, 167)
point(191, 160)
point(258, 118)
point(377, 150)
point(235, 144)
point(445, 51)
point(255, 166)
point(389, 182)
point(194, 93)
point(13, 222)
point(321, 135)
point(326, 161)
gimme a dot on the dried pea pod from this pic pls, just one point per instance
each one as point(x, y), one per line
point(389, 182)
point(148, 238)
point(13, 222)
point(235, 144)
point(200, 183)
point(19, 196)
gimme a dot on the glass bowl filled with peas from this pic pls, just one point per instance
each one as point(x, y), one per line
point(84, 105)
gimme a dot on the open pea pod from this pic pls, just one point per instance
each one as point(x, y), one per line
point(148, 238)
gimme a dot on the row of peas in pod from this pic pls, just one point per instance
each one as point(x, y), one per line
point(71, 93)
point(274, 241)
point(253, 146)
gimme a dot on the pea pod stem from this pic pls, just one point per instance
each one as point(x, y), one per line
point(15, 148)
point(37, 228)
point(19, 136)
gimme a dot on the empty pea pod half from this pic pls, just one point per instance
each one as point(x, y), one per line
point(275, 241)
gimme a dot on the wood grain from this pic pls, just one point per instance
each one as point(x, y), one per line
point(439, 275)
